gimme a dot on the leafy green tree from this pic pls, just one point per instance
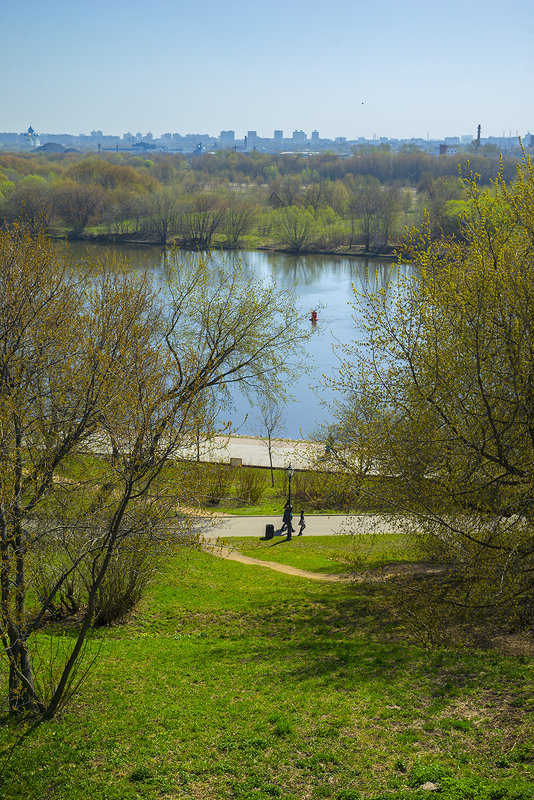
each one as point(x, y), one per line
point(201, 219)
point(31, 201)
point(102, 378)
point(436, 193)
point(365, 204)
point(447, 365)
point(161, 211)
point(296, 228)
point(237, 220)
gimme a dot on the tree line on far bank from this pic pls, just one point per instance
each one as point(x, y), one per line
point(315, 203)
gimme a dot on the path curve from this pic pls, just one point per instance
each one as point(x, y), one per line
point(221, 551)
point(398, 570)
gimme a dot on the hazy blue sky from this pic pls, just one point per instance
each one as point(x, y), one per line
point(346, 68)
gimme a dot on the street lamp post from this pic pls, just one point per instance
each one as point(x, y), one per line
point(289, 473)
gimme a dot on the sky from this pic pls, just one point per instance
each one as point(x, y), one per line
point(345, 68)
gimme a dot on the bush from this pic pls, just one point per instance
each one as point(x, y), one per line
point(127, 577)
point(130, 570)
point(321, 490)
point(217, 482)
point(250, 484)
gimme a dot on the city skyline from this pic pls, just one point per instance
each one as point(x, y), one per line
point(349, 69)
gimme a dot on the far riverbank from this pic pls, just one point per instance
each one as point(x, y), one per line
point(132, 240)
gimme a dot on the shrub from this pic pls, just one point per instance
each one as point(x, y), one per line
point(217, 482)
point(250, 484)
point(320, 490)
point(127, 577)
point(130, 570)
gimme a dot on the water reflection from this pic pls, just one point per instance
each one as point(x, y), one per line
point(324, 283)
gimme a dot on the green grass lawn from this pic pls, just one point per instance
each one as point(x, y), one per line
point(330, 554)
point(231, 681)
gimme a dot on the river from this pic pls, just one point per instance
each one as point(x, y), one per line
point(324, 283)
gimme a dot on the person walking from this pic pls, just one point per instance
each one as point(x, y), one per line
point(287, 519)
point(302, 524)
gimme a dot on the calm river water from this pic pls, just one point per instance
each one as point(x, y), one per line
point(321, 282)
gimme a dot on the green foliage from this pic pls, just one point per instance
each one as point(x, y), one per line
point(447, 365)
point(296, 228)
point(227, 199)
point(250, 484)
point(322, 490)
point(216, 482)
point(102, 362)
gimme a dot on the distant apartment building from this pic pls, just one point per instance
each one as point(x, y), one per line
point(252, 140)
point(278, 137)
point(299, 137)
point(227, 139)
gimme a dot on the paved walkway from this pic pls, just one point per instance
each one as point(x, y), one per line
point(317, 525)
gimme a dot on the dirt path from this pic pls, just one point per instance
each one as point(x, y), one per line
point(222, 551)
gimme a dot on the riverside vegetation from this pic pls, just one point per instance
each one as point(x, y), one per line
point(319, 203)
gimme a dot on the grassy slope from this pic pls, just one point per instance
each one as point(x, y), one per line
point(235, 682)
point(328, 554)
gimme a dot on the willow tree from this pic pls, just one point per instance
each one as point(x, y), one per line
point(103, 376)
point(447, 365)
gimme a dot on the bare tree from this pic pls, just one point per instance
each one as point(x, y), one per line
point(272, 418)
point(78, 204)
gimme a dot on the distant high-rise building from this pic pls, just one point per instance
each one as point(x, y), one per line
point(227, 138)
point(278, 136)
point(252, 138)
point(299, 137)
point(315, 136)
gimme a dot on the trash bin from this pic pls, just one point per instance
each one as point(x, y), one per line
point(269, 531)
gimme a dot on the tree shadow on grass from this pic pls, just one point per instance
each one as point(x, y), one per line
point(346, 638)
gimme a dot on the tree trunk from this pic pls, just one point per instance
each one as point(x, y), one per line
point(22, 695)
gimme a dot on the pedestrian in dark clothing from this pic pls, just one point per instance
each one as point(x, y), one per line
point(302, 524)
point(287, 519)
